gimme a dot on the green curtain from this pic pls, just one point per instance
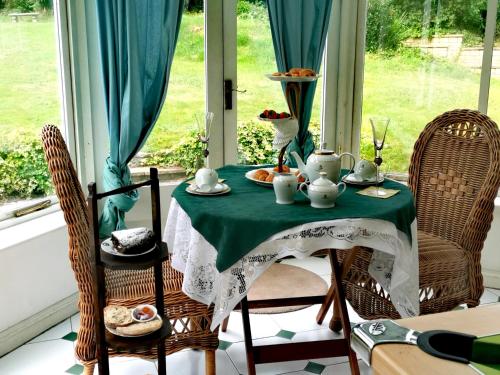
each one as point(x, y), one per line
point(137, 41)
point(299, 30)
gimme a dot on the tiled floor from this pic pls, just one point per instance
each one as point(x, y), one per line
point(52, 352)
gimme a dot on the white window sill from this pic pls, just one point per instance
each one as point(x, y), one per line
point(32, 226)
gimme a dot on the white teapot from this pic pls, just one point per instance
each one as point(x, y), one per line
point(322, 161)
point(322, 192)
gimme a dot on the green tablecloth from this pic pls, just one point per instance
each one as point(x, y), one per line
point(237, 222)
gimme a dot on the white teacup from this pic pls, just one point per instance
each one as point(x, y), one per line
point(206, 179)
point(365, 170)
point(285, 186)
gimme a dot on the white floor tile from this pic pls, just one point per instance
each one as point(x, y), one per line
point(75, 322)
point(237, 354)
point(192, 362)
point(130, 366)
point(301, 320)
point(48, 357)
point(494, 291)
point(261, 325)
point(54, 333)
point(320, 266)
point(488, 297)
point(344, 369)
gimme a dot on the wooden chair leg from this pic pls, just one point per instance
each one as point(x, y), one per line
point(224, 324)
point(88, 369)
point(329, 299)
point(335, 323)
point(342, 307)
point(209, 362)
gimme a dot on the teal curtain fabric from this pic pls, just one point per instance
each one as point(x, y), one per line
point(299, 29)
point(137, 41)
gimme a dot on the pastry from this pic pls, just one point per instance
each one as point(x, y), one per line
point(137, 329)
point(286, 169)
point(300, 177)
point(307, 73)
point(117, 316)
point(261, 175)
point(277, 74)
point(270, 177)
point(133, 241)
point(295, 71)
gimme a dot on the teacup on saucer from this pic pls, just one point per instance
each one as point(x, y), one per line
point(365, 170)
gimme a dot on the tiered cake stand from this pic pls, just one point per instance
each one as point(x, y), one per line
point(287, 129)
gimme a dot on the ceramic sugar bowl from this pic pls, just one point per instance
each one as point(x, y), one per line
point(322, 192)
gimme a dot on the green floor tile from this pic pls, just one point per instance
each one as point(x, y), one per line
point(285, 334)
point(314, 368)
point(223, 345)
point(70, 336)
point(76, 370)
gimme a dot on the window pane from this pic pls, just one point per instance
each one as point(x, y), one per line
point(173, 141)
point(422, 58)
point(494, 99)
point(255, 59)
point(30, 97)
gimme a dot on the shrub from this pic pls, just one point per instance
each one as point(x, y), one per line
point(255, 143)
point(385, 28)
point(23, 171)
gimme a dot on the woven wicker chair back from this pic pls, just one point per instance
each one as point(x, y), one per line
point(454, 175)
point(74, 207)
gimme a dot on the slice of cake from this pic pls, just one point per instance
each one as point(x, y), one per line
point(133, 241)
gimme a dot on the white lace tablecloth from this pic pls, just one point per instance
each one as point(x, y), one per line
point(394, 263)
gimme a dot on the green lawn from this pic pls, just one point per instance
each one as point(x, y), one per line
point(409, 90)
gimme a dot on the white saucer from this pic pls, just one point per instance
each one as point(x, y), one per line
point(107, 246)
point(351, 179)
point(219, 189)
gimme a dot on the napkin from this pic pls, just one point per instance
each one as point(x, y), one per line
point(372, 192)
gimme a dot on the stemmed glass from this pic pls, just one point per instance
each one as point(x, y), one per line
point(379, 130)
point(204, 123)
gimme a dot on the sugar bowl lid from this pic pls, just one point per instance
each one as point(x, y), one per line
point(322, 183)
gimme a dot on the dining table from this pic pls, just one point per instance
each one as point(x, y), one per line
point(223, 243)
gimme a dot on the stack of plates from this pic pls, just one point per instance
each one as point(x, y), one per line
point(219, 189)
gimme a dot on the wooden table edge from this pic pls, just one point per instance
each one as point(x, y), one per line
point(404, 359)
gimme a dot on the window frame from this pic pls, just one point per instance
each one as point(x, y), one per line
point(67, 125)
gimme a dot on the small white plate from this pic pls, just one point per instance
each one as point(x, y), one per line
point(292, 79)
point(351, 179)
point(107, 246)
point(219, 189)
point(114, 332)
point(250, 175)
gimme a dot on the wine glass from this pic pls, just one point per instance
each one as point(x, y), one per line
point(204, 122)
point(379, 130)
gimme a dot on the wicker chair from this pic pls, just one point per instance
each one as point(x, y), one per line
point(190, 320)
point(454, 176)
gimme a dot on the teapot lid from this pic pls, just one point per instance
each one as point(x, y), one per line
point(323, 150)
point(322, 181)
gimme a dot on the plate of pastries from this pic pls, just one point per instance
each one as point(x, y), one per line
point(294, 75)
point(265, 176)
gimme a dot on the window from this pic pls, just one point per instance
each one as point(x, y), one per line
point(422, 58)
point(31, 92)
